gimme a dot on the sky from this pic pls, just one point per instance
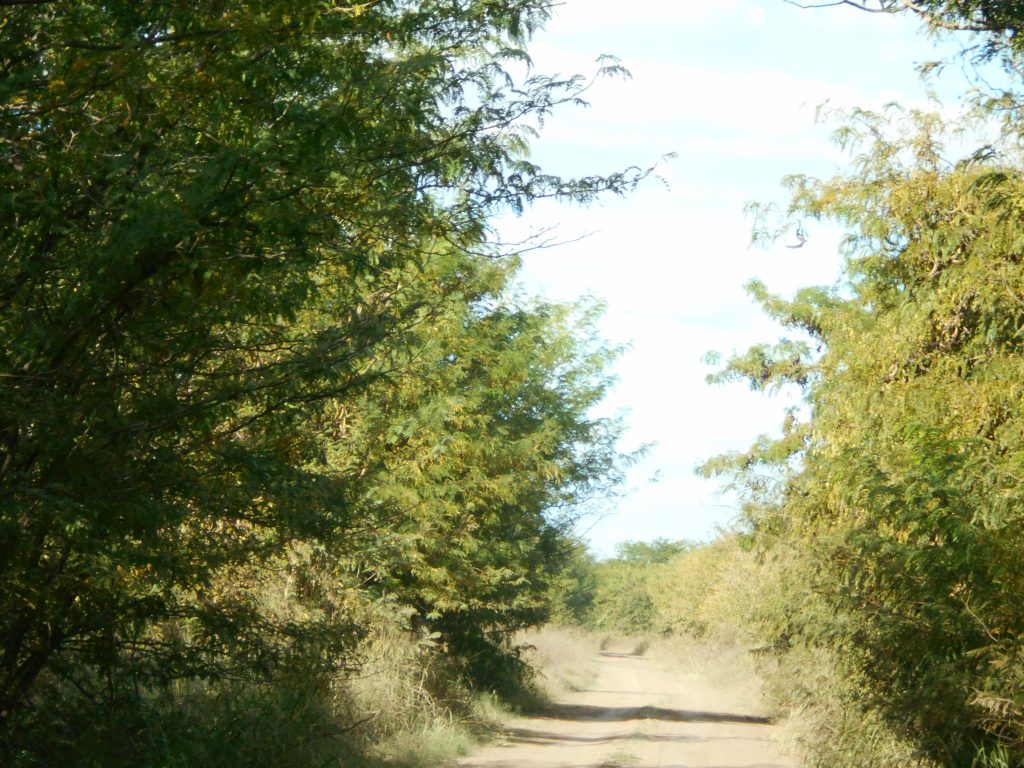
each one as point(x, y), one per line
point(732, 88)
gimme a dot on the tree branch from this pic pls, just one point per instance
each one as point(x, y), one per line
point(898, 6)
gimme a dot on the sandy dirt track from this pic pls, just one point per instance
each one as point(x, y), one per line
point(637, 712)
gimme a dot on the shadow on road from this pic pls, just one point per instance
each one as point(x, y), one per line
point(586, 712)
point(541, 738)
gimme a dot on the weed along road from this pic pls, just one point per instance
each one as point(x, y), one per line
point(639, 712)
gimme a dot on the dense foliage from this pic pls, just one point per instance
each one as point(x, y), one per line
point(627, 593)
point(893, 515)
point(253, 332)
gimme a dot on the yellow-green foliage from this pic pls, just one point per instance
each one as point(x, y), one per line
point(894, 516)
point(738, 604)
point(393, 698)
point(264, 363)
point(708, 591)
point(622, 600)
point(617, 591)
point(826, 719)
point(413, 707)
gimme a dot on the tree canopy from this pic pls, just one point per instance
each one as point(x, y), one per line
point(894, 512)
point(250, 304)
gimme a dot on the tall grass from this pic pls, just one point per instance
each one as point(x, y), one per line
point(416, 710)
point(723, 610)
point(393, 699)
point(556, 653)
point(401, 709)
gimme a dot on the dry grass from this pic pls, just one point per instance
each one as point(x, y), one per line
point(728, 666)
point(556, 653)
point(417, 712)
point(826, 723)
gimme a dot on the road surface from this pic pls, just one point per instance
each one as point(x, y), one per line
point(637, 713)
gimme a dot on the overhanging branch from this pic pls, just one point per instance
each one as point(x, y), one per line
point(899, 6)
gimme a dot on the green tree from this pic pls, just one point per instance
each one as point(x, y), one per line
point(656, 552)
point(574, 590)
point(483, 454)
point(901, 496)
point(624, 595)
point(996, 23)
point(207, 211)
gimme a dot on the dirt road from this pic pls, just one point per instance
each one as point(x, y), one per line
point(638, 713)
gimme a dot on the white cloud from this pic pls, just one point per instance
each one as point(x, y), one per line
point(594, 13)
point(732, 86)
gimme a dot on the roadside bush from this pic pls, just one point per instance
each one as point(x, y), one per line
point(709, 591)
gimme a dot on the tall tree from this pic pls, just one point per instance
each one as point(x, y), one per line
point(474, 457)
point(181, 184)
point(997, 21)
point(901, 497)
